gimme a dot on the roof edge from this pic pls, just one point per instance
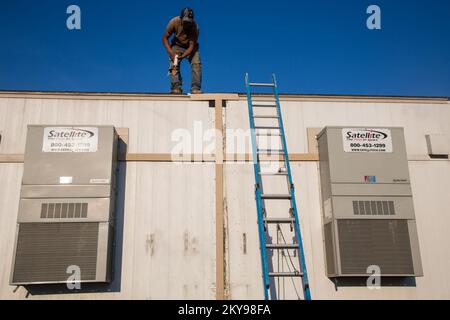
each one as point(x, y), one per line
point(212, 96)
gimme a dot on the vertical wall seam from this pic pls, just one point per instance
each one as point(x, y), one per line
point(220, 271)
point(225, 208)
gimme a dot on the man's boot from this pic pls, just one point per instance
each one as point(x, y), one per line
point(176, 91)
point(196, 91)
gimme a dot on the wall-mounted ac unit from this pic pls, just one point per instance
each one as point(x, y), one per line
point(66, 210)
point(368, 212)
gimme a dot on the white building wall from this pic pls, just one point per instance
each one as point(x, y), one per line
point(168, 246)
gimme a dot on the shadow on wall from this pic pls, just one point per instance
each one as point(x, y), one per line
point(115, 284)
point(385, 282)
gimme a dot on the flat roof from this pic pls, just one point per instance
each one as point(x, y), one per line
point(213, 96)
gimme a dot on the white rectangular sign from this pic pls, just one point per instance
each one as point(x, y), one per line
point(367, 140)
point(70, 139)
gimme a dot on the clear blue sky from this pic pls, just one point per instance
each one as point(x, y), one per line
point(316, 47)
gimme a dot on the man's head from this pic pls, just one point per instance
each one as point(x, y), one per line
point(187, 17)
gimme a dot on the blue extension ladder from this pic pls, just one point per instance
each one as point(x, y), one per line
point(267, 247)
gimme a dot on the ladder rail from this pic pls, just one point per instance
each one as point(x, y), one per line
point(305, 280)
point(258, 192)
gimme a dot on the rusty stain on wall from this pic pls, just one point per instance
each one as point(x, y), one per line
point(150, 244)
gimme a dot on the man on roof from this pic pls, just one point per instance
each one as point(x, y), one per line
point(184, 44)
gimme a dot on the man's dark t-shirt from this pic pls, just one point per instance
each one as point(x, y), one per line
point(181, 36)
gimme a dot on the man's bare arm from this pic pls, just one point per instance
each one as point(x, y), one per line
point(166, 44)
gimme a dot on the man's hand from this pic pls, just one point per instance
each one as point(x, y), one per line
point(172, 55)
point(189, 50)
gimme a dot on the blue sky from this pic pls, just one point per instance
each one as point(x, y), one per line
point(314, 47)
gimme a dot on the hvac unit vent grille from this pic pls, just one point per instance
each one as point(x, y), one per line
point(45, 250)
point(64, 210)
point(385, 243)
point(373, 208)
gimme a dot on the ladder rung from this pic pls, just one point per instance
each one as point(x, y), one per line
point(263, 99)
point(276, 196)
point(254, 84)
point(279, 220)
point(282, 246)
point(264, 105)
point(265, 117)
point(268, 134)
point(285, 274)
point(267, 127)
point(270, 151)
point(273, 173)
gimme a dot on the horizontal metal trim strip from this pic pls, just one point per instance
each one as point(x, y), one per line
point(167, 157)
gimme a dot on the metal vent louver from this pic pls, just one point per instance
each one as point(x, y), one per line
point(373, 208)
point(45, 250)
point(385, 243)
point(64, 210)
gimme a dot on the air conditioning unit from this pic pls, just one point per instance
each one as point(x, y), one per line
point(66, 209)
point(368, 211)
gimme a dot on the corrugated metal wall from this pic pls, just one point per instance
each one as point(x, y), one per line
point(168, 224)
